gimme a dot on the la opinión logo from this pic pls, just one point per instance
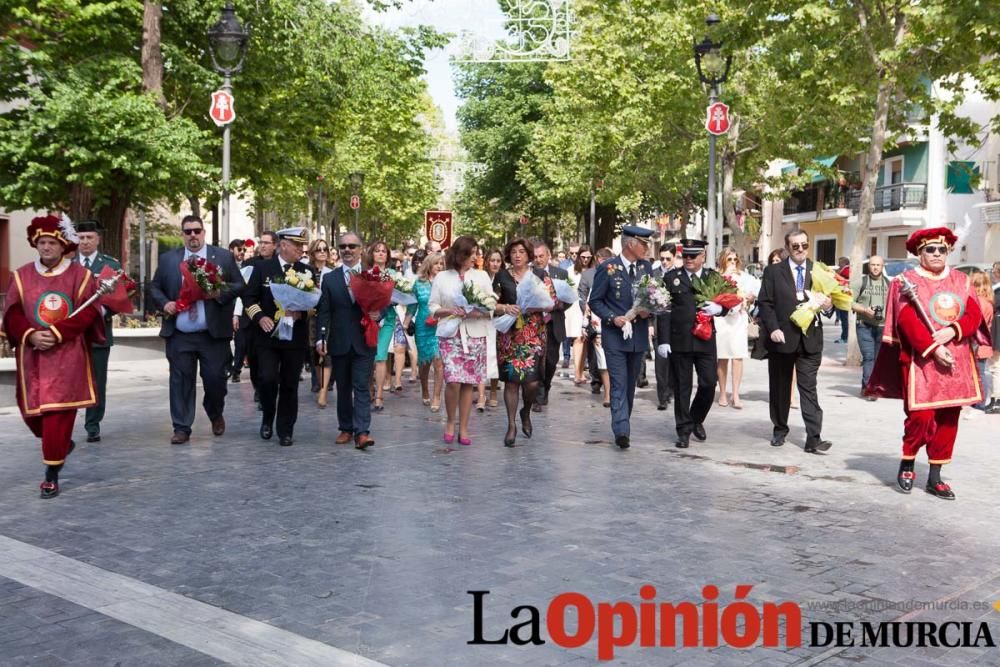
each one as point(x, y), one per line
point(738, 624)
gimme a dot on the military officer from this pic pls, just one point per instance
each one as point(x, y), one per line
point(89, 255)
point(610, 299)
point(684, 350)
point(279, 362)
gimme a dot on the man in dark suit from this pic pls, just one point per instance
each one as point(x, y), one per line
point(783, 287)
point(555, 332)
point(685, 351)
point(265, 251)
point(89, 255)
point(199, 335)
point(338, 322)
point(610, 299)
point(664, 390)
point(279, 362)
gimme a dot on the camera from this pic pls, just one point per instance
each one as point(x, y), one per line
point(878, 312)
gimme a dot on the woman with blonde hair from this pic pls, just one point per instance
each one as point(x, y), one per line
point(731, 341)
point(425, 335)
point(983, 290)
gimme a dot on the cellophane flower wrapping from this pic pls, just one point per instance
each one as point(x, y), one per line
point(300, 295)
point(714, 288)
point(531, 293)
point(469, 297)
point(649, 294)
point(565, 291)
point(825, 282)
point(198, 278)
point(372, 290)
point(402, 293)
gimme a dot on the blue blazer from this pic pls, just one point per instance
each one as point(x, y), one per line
point(166, 285)
point(611, 297)
point(338, 318)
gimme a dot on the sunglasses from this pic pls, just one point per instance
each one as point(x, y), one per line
point(799, 246)
point(936, 249)
point(322, 250)
point(730, 259)
point(585, 256)
point(349, 246)
point(192, 232)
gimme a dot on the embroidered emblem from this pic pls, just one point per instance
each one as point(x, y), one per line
point(946, 307)
point(52, 307)
point(677, 282)
point(612, 269)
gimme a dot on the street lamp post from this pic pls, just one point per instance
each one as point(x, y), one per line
point(357, 180)
point(713, 72)
point(228, 42)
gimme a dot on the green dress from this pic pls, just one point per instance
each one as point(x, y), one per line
point(387, 327)
point(425, 334)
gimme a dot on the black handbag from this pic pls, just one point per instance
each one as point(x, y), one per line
point(411, 328)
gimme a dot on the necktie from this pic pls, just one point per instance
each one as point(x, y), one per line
point(631, 272)
point(86, 262)
point(800, 279)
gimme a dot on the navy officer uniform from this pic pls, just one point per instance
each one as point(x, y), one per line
point(279, 362)
point(685, 351)
point(611, 298)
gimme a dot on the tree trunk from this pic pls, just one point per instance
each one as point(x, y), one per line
point(112, 217)
point(195, 205)
point(152, 54)
point(886, 92)
point(81, 201)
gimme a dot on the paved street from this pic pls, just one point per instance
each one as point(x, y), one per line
point(234, 550)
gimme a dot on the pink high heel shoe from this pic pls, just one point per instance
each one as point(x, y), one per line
point(448, 438)
point(465, 441)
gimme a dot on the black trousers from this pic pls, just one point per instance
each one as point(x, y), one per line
point(99, 357)
point(186, 352)
point(687, 413)
point(240, 344)
point(779, 371)
point(664, 390)
point(278, 371)
point(553, 354)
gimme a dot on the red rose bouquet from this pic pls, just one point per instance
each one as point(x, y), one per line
point(372, 290)
point(199, 278)
point(713, 288)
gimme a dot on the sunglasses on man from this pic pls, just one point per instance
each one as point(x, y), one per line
point(192, 231)
point(349, 246)
point(799, 246)
point(936, 249)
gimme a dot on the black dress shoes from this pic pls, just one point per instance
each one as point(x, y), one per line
point(622, 441)
point(286, 441)
point(266, 431)
point(699, 432)
point(93, 437)
point(682, 443)
point(817, 446)
point(661, 406)
point(777, 441)
point(940, 490)
point(905, 477)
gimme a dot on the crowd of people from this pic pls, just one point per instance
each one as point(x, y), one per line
point(474, 317)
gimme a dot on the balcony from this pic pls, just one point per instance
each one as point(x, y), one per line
point(808, 204)
point(899, 196)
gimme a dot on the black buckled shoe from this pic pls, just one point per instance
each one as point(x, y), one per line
point(940, 490)
point(266, 431)
point(906, 476)
point(699, 432)
point(622, 441)
point(48, 490)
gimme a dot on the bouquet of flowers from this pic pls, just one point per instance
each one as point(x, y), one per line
point(713, 288)
point(565, 290)
point(294, 292)
point(825, 282)
point(402, 293)
point(531, 293)
point(199, 277)
point(470, 298)
point(118, 300)
point(648, 294)
point(372, 290)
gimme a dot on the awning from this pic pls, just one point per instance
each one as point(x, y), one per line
point(814, 176)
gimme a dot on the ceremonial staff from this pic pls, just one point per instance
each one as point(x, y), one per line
point(106, 286)
point(909, 290)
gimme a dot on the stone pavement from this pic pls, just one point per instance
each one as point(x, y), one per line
point(290, 552)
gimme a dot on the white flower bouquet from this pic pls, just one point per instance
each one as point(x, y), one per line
point(531, 293)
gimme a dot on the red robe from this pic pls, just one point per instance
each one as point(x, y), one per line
point(60, 378)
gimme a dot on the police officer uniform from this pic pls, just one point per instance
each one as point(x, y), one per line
point(279, 362)
point(686, 351)
point(611, 297)
point(100, 353)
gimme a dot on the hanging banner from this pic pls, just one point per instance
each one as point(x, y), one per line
point(437, 227)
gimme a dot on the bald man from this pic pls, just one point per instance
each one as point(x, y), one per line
point(869, 304)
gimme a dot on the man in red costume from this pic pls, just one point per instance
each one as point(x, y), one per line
point(927, 358)
point(54, 373)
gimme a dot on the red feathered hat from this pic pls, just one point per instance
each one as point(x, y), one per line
point(924, 237)
point(61, 230)
point(249, 243)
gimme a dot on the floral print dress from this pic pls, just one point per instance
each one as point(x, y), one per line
point(521, 351)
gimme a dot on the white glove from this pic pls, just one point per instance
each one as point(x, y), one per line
point(663, 350)
point(711, 308)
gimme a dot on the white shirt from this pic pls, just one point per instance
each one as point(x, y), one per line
point(83, 259)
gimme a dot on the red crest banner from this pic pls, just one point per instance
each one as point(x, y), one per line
point(437, 227)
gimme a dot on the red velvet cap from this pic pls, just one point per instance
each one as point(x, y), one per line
point(60, 229)
point(923, 237)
